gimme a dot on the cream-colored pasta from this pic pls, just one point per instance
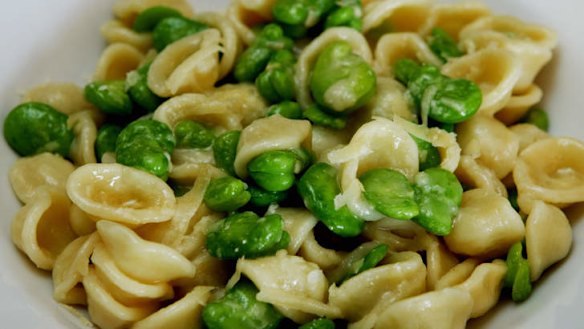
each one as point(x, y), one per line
point(245, 14)
point(229, 107)
point(115, 31)
point(389, 101)
point(183, 314)
point(550, 170)
point(531, 44)
point(119, 193)
point(309, 55)
point(527, 134)
point(490, 141)
point(188, 65)
point(496, 71)
point(395, 15)
point(519, 104)
point(83, 146)
point(486, 225)
point(313, 252)
point(297, 288)
point(267, 134)
point(65, 97)
point(399, 235)
point(80, 221)
point(33, 227)
point(127, 10)
point(458, 273)
point(548, 237)
point(211, 271)
point(298, 223)
point(484, 286)
point(116, 61)
point(123, 288)
point(106, 311)
point(143, 260)
point(475, 175)
point(69, 269)
point(27, 174)
point(448, 308)
point(403, 276)
point(453, 17)
point(395, 46)
point(439, 260)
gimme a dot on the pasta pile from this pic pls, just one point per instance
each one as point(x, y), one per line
point(135, 251)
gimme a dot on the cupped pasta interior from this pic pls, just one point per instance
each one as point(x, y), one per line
point(119, 193)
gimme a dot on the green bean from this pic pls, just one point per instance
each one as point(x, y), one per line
point(405, 69)
point(320, 117)
point(390, 193)
point(297, 16)
point(264, 198)
point(32, 128)
point(109, 96)
point(341, 80)
point(287, 109)
point(428, 154)
point(443, 45)
point(225, 149)
point(420, 79)
point(256, 57)
point(171, 29)
point(438, 194)
point(452, 100)
point(226, 194)
point(537, 117)
point(276, 83)
point(518, 276)
point(364, 257)
point(240, 309)
point(320, 323)
point(346, 13)
point(106, 139)
point(273, 170)
point(140, 93)
point(146, 145)
point(150, 17)
point(318, 187)
point(514, 256)
point(247, 235)
point(191, 134)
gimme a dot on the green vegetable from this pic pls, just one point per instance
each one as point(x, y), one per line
point(109, 96)
point(420, 79)
point(171, 29)
point(320, 323)
point(428, 154)
point(276, 83)
point(256, 57)
point(438, 194)
point(297, 16)
point(225, 149)
point(452, 100)
point(263, 198)
point(320, 117)
point(390, 193)
point(32, 128)
point(318, 188)
point(346, 13)
point(287, 109)
point(365, 257)
point(273, 170)
point(226, 194)
point(106, 139)
point(150, 17)
point(537, 117)
point(191, 134)
point(517, 277)
point(341, 80)
point(240, 309)
point(140, 93)
point(146, 145)
point(443, 45)
point(247, 235)
point(405, 69)
point(512, 196)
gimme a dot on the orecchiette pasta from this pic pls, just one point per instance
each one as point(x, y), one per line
point(116, 61)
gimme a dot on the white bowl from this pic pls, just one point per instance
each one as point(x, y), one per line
point(60, 41)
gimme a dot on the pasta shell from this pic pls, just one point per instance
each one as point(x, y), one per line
point(395, 46)
point(116, 61)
